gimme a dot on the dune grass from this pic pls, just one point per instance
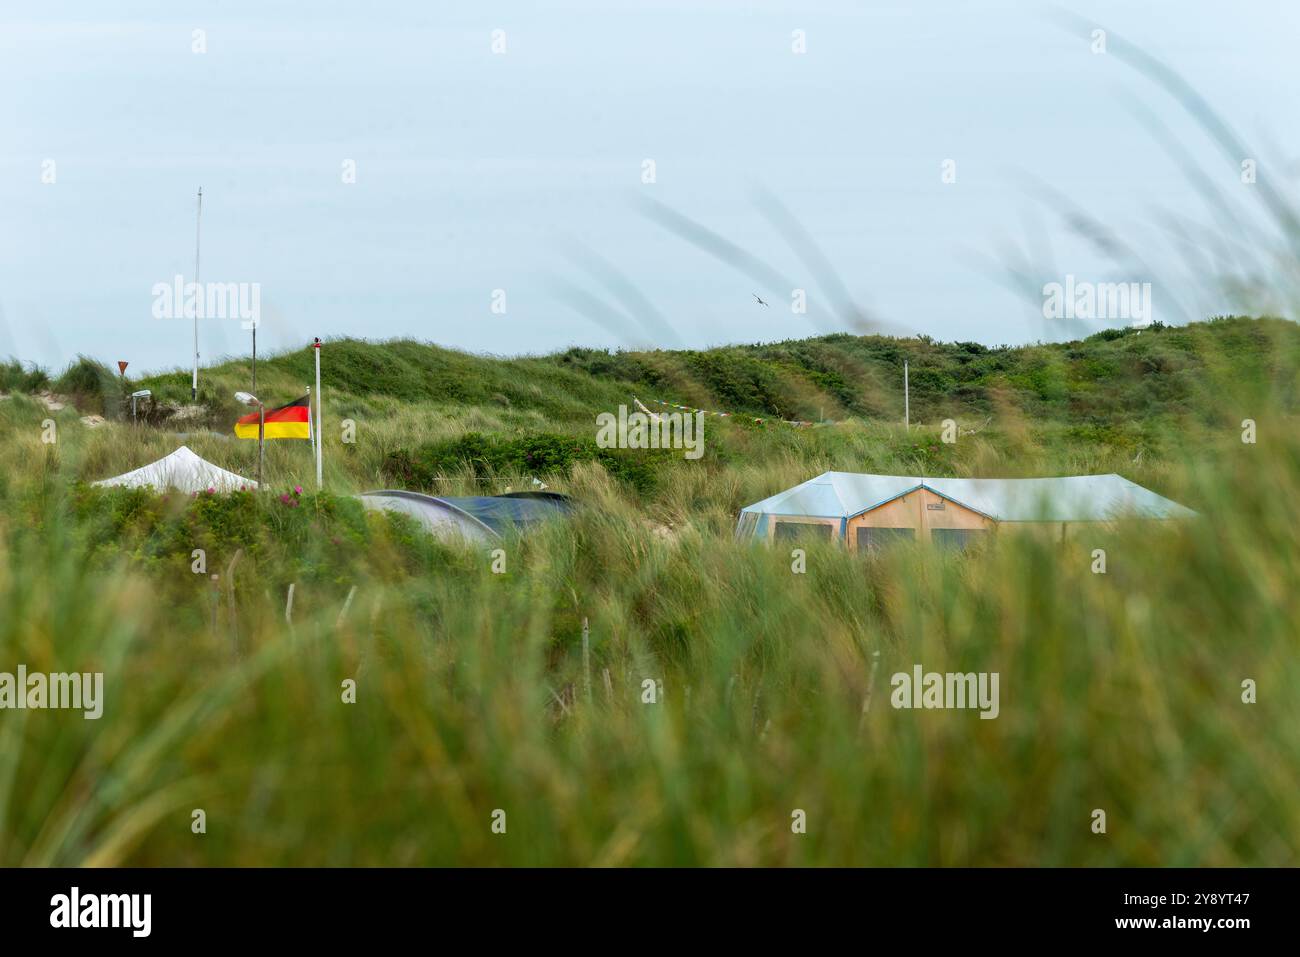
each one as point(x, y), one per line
point(719, 691)
point(722, 691)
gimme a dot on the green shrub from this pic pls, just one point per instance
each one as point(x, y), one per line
point(539, 453)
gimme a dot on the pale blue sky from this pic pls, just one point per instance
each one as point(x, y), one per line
point(477, 171)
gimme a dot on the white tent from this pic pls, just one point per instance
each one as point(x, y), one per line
point(1068, 499)
point(185, 471)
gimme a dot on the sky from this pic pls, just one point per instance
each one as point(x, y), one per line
point(932, 160)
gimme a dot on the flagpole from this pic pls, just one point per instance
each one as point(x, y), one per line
point(319, 436)
point(311, 426)
point(907, 400)
point(198, 222)
point(261, 440)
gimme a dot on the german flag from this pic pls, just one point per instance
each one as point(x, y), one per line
point(292, 421)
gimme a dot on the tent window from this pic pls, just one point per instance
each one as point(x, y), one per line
point(870, 539)
point(958, 539)
point(795, 531)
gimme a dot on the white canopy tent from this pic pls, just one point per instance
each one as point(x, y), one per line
point(839, 501)
point(185, 471)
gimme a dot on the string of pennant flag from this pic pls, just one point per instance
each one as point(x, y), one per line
point(731, 415)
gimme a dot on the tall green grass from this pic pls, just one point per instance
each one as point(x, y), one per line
point(1119, 691)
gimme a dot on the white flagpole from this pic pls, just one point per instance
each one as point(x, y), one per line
point(198, 222)
point(319, 435)
point(907, 400)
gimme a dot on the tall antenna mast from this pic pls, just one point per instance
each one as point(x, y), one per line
point(198, 222)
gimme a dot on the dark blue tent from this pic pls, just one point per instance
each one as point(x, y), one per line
point(473, 517)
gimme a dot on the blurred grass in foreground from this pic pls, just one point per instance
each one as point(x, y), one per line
point(1119, 691)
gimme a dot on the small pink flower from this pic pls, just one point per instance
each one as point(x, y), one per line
point(284, 497)
point(297, 490)
point(212, 491)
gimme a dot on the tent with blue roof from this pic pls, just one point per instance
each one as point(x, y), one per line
point(871, 510)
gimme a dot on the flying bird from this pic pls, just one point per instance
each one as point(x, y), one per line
point(759, 299)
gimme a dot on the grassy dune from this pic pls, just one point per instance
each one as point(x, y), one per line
point(1119, 691)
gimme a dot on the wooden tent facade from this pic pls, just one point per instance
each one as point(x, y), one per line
point(866, 512)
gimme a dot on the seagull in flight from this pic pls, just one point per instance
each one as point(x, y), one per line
point(759, 299)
